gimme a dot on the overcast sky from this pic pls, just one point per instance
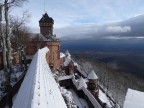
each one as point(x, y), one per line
point(89, 15)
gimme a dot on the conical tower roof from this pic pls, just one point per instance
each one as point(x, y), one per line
point(81, 83)
point(92, 75)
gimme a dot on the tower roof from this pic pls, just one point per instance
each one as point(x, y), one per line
point(81, 83)
point(46, 19)
point(92, 75)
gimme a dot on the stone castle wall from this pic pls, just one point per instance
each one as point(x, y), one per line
point(53, 56)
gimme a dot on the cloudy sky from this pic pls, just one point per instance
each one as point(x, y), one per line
point(86, 17)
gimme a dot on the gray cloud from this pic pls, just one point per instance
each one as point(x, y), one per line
point(118, 29)
point(128, 29)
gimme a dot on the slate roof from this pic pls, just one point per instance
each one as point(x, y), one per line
point(46, 19)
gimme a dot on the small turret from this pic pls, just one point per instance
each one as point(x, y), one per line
point(93, 83)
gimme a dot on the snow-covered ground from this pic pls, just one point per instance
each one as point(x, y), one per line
point(39, 88)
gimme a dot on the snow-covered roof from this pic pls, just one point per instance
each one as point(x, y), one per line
point(81, 83)
point(62, 55)
point(92, 75)
point(39, 88)
point(134, 99)
point(67, 60)
point(75, 64)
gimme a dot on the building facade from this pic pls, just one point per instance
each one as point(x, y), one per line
point(46, 30)
point(48, 40)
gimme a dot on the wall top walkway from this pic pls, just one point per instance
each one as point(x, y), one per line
point(39, 88)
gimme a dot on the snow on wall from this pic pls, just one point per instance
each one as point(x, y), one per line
point(91, 98)
point(104, 98)
point(65, 77)
point(81, 83)
point(39, 88)
point(67, 60)
point(75, 83)
point(80, 102)
point(87, 93)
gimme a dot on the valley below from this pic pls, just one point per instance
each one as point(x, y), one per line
point(117, 70)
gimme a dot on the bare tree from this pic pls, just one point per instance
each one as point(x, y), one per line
point(3, 41)
point(6, 43)
point(20, 31)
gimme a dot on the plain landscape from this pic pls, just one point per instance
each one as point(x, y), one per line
point(118, 66)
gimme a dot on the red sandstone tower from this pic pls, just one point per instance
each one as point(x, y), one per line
point(46, 25)
point(46, 29)
point(93, 83)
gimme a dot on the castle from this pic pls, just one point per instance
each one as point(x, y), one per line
point(49, 40)
point(69, 77)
